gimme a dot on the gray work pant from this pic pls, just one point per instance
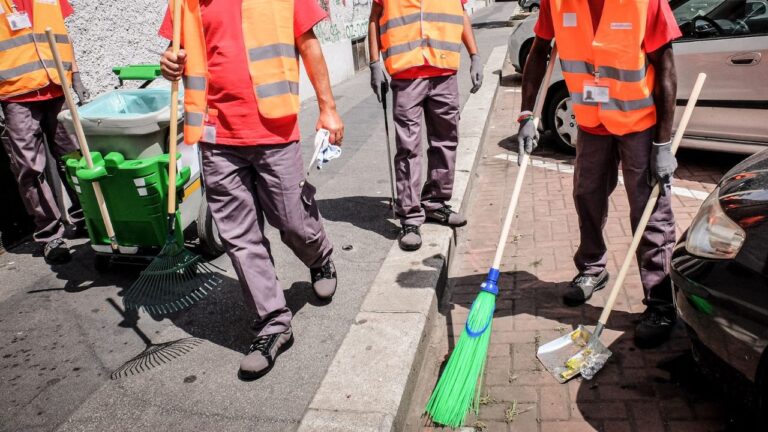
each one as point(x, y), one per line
point(437, 99)
point(29, 126)
point(245, 185)
point(595, 178)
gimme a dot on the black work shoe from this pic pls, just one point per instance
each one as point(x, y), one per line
point(656, 324)
point(324, 280)
point(56, 252)
point(446, 216)
point(79, 230)
point(262, 354)
point(409, 238)
point(583, 286)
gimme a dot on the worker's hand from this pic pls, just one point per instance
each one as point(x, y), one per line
point(663, 166)
point(83, 95)
point(330, 120)
point(172, 66)
point(379, 82)
point(476, 73)
point(527, 135)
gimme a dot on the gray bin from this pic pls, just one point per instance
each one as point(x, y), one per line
point(134, 123)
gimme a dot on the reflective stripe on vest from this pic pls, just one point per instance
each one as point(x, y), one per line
point(26, 61)
point(614, 55)
point(272, 61)
point(416, 32)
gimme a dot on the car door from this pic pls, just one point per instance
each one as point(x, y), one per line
point(728, 40)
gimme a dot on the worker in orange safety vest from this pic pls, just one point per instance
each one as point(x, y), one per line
point(420, 44)
point(31, 98)
point(617, 61)
point(240, 68)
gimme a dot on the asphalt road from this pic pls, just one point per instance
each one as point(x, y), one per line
point(63, 333)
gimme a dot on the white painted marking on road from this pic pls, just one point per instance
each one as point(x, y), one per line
point(566, 168)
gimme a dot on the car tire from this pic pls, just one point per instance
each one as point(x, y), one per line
point(207, 232)
point(525, 49)
point(533, 8)
point(561, 120)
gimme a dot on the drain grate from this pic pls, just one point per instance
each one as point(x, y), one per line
point(156, 355)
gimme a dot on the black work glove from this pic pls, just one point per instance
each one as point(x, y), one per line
point(527, 136)
point(476, 73)
point(663, 166)
point(379, 82)
point(83, 95)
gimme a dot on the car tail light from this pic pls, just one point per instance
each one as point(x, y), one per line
point(713, 234)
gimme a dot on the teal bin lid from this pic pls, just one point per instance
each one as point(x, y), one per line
point(127, 103)
point(125, 112)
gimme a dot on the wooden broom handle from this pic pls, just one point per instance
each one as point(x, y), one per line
point(174, 127)
point(538, 107)
point(650, 205)
point(80, 135)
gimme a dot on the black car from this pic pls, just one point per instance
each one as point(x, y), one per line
point(720, 278)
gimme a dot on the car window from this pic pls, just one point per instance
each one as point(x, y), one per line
point(721, 18)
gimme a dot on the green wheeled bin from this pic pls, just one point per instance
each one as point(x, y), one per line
point(127, 133)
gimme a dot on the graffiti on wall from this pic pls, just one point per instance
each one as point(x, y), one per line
point(348, 20)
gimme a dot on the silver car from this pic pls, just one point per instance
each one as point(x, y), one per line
point(726, 39)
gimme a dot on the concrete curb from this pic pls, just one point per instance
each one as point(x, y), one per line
point(369, 385)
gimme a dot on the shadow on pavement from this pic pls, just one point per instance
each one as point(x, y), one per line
point(657, 384)
point(223, 318)
point(364, 212)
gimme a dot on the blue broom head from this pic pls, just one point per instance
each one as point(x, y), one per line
point(481, 312)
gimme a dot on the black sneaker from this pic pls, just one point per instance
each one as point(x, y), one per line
point(409, 238)
point(583, 286)
point(324, 280)
point(262, 354)
point(656, 324)
point(446, 216)
point(57, 252)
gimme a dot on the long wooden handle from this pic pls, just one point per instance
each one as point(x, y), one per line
point(80, 135)
point(538, 107)
point(649, 207)
point(174, 129)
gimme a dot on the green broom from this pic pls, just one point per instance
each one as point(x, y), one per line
point(456, 391)
point(176, 278)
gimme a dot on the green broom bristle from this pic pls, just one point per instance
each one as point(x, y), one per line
point(175, 280)
point(456, 391)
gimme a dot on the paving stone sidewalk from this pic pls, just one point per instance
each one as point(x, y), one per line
point(638, 390)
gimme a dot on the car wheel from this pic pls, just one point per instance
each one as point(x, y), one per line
point(561, 119)
point(208, 232)
point(524, 51)
point(534, 9)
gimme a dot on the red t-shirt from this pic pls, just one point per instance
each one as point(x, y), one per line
point(230, 91)
point(52, 90)
point(661, 28)
point(425, 70)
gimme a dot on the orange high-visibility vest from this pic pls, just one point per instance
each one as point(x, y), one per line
point(414, 32)
point(273, 61)
point(614, 55)
point(26, 61)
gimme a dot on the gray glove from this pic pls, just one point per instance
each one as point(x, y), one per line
point(663, 166)
point(379, 82)
point(83, 95)
point(476, 73)
point(527, 136)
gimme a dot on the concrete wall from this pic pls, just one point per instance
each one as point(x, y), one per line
point(113, 33)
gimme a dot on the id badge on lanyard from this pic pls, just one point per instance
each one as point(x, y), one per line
point(596, 91)
point(209, 126)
